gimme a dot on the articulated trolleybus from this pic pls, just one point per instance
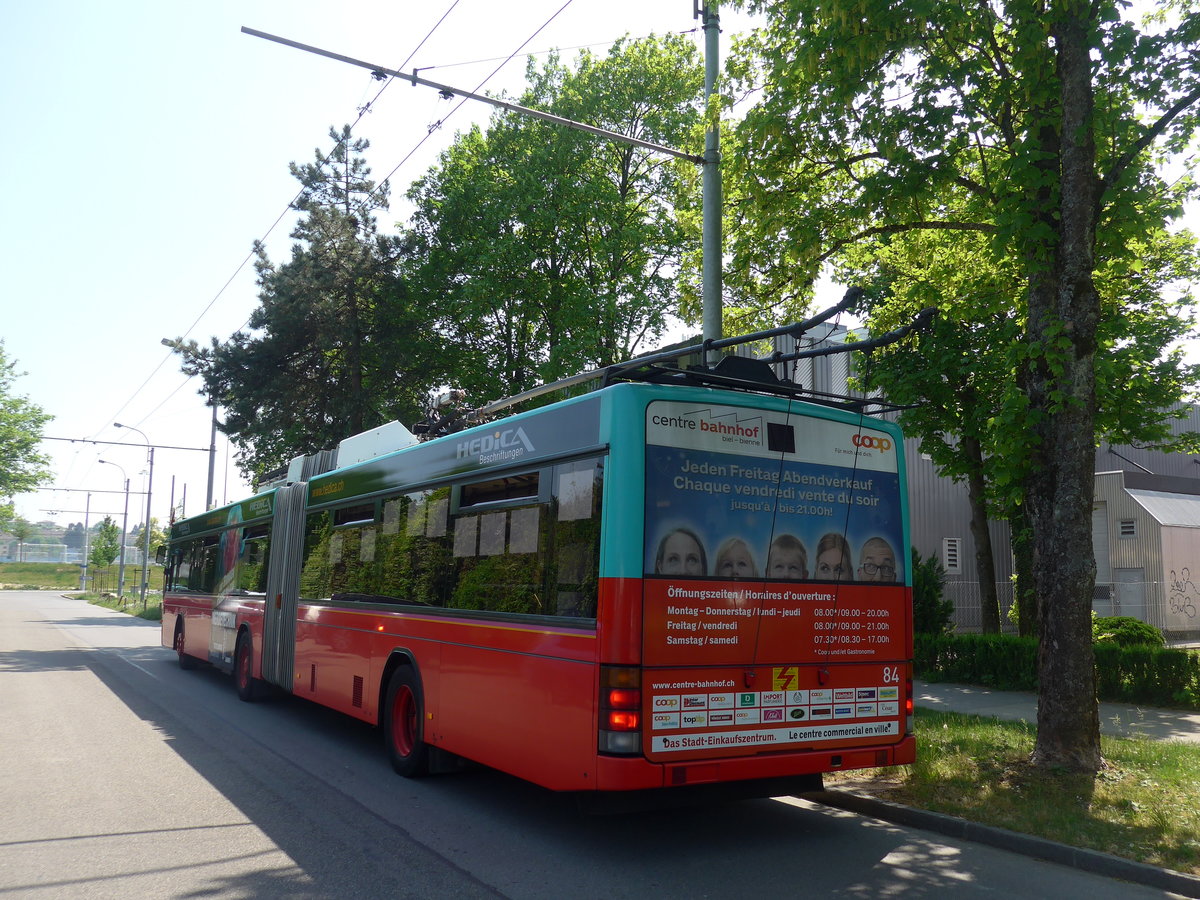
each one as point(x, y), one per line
point(700, 580)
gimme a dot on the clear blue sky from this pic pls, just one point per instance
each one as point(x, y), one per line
point(148, 146)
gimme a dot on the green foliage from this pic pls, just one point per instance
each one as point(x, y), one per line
point(152, 611)
point(158, 536)
point(105, 544)
point(22, 467)
point(1004, 159)
point(1152, 675)
point(998, 661)
point(24, 531)
point(1159, 676)
point(932, 612)
point(548, 251)
point(1125, 631)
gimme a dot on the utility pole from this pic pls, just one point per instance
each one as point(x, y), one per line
point(86, 548)
point(212, 460)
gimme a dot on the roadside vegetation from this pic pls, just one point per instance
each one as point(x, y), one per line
point(65, 577)
point(102, 585)
point(1140, 806)
point(129, 604)
point(39, 576)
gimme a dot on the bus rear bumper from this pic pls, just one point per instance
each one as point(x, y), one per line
point(615, 773)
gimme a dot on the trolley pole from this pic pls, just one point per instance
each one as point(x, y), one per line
point(711, 183)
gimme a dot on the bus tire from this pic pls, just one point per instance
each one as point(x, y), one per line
point(403, 716)
point(248, 687)
point(185, 662)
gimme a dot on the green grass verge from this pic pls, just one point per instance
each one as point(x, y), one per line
point(1141, 807)
point(39, 576)
point(65, 577)
point(129, 604)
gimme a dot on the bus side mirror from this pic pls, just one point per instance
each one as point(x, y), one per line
point(160, 555)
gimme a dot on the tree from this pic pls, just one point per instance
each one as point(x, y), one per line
point(551, 251)
point(22, 467)
point(338, 345)
point(22, 530)
point(1037, 124)
point(105, 544)
point(158, 536)
point(73, 537)
point(955, 376)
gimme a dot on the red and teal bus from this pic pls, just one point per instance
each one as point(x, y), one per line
point(650, 585)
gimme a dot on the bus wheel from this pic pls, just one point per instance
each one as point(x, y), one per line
point(185, 661)
point(403, 712)
point(243, 669)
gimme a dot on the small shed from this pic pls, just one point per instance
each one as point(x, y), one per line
point(1146, 538)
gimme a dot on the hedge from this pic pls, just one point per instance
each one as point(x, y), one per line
point(1155, 676)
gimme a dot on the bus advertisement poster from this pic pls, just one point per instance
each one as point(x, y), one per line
point(767, 534)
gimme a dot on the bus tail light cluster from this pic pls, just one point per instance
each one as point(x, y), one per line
point(620, 710)
point(908, 704)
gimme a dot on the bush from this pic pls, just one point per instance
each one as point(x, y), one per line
point(1125, 631)
point(1158, 676)
point(999, 661)
point(1142, 673)
point(932, 612)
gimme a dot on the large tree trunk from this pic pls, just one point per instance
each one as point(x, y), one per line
point(1024, 591)
point(1064, 309)
point(985, 567)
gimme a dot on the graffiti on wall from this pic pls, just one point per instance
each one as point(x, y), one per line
point(1182, 594)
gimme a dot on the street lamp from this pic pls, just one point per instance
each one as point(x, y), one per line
point(149, 488)
point(124, 528)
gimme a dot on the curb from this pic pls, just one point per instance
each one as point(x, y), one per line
point(1001, 838)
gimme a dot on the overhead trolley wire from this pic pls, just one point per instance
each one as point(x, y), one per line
point(362, 111)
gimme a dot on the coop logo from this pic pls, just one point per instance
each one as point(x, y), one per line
point(871, 442)
point(499, 446)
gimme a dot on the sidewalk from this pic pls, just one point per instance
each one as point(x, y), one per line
point(1121, 719)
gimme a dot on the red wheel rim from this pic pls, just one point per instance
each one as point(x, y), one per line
point(404, 721)
point(243, 668)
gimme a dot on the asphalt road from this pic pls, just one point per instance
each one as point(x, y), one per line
point(124, 776)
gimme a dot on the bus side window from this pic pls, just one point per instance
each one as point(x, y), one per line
point(576, 537)
point(177, 567)
point(253, 560)
point(202, 574)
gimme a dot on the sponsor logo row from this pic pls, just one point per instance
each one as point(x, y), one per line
point(768, 699)
point(779, 715)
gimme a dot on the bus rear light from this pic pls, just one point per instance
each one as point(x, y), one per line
point(620, 710)
point(909, 709)
point(621, 720)
point(624, 698)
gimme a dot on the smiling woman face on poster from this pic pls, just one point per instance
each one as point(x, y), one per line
point(680, 553)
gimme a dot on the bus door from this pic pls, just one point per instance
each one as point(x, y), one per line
point(776, 615)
